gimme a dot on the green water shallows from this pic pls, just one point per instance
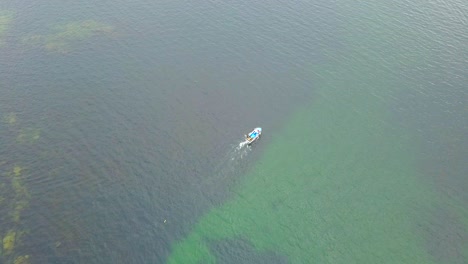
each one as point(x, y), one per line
point(340, 184)
point(337, 186)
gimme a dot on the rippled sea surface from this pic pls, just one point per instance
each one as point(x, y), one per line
point(120, 124)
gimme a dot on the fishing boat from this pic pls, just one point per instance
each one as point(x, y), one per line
point(254, 135)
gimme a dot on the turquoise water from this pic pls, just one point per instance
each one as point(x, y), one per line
point(120, 125)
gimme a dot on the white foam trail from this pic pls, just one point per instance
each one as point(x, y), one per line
point(242, 150)
point(229, 164)
point(243, 144)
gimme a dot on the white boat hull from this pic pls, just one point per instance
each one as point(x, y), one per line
point(253, 136)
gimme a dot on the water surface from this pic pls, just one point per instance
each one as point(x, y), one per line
point(120, 122)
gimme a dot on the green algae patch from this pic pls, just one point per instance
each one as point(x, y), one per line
point(22, 260)
point(65, 37)
point(5, 21)
point(17, 171)
point(19, 207)
point(28, 135)
point(22, 196)
point(9, 242)
point(10, 118)
point(14, 200)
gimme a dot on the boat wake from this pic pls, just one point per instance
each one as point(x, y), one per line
point(233, 160)
point(226, 170)
point(239, 152)
point(243, 146)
